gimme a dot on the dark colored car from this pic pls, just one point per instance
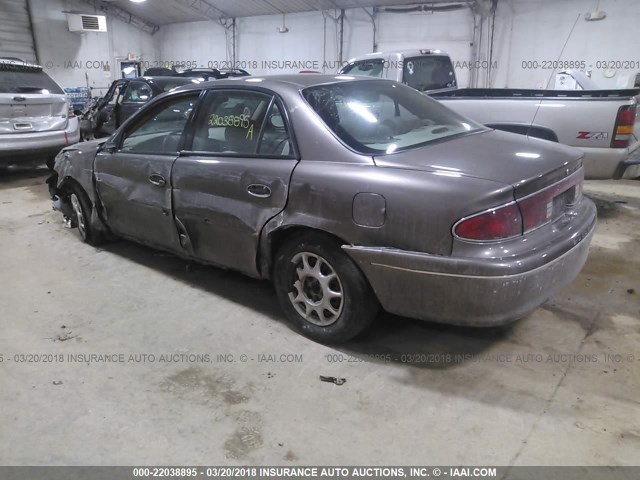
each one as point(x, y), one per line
point(212, 73)
point(125, 97)
point(347, 193)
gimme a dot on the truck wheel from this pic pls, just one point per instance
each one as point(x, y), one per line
point(82, 212)
point(321, 290)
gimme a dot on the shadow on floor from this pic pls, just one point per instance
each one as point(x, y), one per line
point(19, 176)
point(390, 339)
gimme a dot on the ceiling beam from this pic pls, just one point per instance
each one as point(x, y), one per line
point(205, 8)
point(124, 15)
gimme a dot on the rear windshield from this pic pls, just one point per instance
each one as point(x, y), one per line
point(432, 72)
point(377, 117)
point(18, 79)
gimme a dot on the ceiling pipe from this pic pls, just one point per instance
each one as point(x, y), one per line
point(425, 8)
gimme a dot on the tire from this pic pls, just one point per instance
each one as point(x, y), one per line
point(321, 290)
point(81, 206)
point(50, 163)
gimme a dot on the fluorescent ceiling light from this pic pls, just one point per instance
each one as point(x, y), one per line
point(137, 1)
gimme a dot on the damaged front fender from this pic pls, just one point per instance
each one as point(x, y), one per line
point(73, 169)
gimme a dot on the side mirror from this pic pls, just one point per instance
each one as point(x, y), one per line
point(108, 147)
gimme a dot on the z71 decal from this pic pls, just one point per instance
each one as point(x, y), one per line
point(593, 135)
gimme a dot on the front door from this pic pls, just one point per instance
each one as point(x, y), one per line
point(137, 94)
point(107, 117)
point(134, 181)
point(234, 178)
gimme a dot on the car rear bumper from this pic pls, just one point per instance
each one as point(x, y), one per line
point(17, 147)
point(474, 292)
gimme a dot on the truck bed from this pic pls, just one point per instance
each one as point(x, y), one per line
point(585, 119)
point(534, 93)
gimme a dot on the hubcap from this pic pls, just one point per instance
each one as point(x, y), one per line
point(317, 293)
point(75, 203)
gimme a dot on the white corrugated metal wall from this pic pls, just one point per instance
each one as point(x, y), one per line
point(16, 39)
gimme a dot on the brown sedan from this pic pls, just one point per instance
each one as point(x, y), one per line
point(347, 193)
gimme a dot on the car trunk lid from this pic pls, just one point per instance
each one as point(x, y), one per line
point(527, 164)
point(30, 101)
point(25, 112)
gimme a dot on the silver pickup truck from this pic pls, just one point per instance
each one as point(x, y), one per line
point(601, 123)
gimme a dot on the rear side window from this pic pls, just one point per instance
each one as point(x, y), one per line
point(231, 122)
point(18, 79)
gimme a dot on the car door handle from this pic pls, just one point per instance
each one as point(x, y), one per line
point(259, 190)
point(157, 179)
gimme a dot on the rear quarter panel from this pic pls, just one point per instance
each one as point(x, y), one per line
point(420, 207)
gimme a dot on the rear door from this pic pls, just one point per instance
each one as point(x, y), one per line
point(235, 177)
point(133, 181)
point(30, 101)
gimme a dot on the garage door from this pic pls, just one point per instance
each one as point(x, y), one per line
point(15, 31)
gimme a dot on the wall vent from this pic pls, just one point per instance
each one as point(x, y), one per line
point(87, 23)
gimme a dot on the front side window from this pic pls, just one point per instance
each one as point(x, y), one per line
point(162, 130)
point(379, 117)
point(231, 122)
point(115, 93)
point(365, 68)
point(138, 92)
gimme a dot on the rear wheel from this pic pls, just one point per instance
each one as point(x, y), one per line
point(321, 290)
point(82, 216)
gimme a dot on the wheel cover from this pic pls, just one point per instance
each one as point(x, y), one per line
point(77, 208)
point(317, 293)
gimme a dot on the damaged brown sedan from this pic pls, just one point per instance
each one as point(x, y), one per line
point(349, 194)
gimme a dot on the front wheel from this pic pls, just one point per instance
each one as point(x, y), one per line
point(322, 291)
point(82, 215)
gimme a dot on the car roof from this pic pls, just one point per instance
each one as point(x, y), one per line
point(414, 52)
point(279, 82)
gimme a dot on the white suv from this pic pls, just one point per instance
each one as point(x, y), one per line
point(36, 117)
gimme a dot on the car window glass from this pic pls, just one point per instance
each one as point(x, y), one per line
point(22, 79)
point(365, 68)
point(428, 73)
point(231, 122)
point(275, 137)
point(161, 132)
point(384, 117)
point(116, 95)
point(138, 92)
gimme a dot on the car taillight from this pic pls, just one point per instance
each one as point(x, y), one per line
point(70, 113)
point(624, 126)
point(525, 214)
point(495, 224)
point(538, 208)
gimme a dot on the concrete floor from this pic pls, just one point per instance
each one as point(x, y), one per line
point(560, 387)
